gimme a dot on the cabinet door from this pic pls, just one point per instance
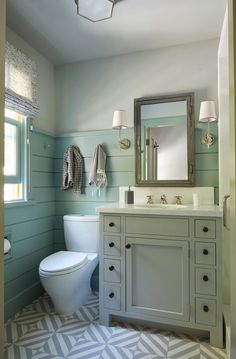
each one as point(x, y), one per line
point(157, 278)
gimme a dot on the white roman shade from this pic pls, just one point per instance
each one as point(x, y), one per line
point(20, 82)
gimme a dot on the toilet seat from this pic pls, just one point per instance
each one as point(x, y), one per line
point(62, 262)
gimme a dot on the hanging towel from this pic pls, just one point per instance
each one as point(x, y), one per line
point(72, 169)
point(97, 174)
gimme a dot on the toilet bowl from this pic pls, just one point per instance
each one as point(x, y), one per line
point(66, 275)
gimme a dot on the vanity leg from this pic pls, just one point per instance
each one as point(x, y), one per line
point(216, 337)
point(104, 319)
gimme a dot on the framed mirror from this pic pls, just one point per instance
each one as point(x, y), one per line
point(164, 140)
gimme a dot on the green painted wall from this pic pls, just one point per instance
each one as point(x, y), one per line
point(30, 229)
point(37, 230)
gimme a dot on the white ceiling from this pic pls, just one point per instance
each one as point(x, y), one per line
point(54, 28)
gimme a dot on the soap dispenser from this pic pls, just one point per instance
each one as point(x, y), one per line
point(129, 196)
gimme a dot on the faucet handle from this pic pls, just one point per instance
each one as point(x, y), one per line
point(149, 199)
point(178, 199)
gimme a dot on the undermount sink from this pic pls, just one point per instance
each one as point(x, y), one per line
point(159, 205)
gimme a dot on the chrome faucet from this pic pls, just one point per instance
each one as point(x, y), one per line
point(178, 199)
point(149, 199)
point(163, 199)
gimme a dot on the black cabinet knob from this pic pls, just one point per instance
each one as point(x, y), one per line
point(111, 295)
point(205, 229)
point(128, 246)
point(205, 252)
point(205, 308)
point(111, 224)
point(111, 244)
point(205, 278)
point(111, 268)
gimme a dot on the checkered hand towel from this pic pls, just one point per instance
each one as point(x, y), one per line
point(72, 169)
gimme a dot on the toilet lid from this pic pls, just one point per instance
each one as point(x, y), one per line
point(63, 260)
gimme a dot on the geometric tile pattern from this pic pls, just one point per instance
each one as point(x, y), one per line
point(37, 332)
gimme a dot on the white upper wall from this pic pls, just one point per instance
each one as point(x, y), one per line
point(46, 118)
point(88, 92)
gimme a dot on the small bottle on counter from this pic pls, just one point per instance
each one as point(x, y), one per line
point(195, 200)
point(129, 196)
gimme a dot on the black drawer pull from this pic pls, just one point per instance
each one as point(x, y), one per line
point(128, 246)
point(111, 244)
point(205, 252)
point(111, 224)
point(205, 278)
point(111, 295)
point(111, 268)
point(205, 308)
point(205, 229)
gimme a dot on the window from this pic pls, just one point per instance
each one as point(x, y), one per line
point(15, 156)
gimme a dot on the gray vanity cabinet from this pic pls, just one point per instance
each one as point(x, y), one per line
point(162, 269)
point(157, 278)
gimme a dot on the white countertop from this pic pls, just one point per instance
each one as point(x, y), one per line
point(171, 210)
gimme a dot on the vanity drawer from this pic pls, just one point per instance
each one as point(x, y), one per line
point(206, 311)
point(205, 281)
point(111, 245)
point(111, 224)
point(205, 253)
point(112, 297)
point(178, 227)
point(111, 270)
point(205, 228)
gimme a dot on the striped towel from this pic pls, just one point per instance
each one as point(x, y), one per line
point(72, 169)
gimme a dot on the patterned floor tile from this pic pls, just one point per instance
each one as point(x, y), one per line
point(153, 343)
point(85, 349)
point(37, 332)
point(183, 349)
point(17, 352)
point(98, 333)
point(112, 352)
point(59, 344)
point(126, 338)
point(209, 352)
point(140, 355)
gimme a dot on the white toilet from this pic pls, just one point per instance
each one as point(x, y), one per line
point(66, 275)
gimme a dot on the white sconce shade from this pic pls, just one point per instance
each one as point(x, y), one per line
point(207, 111)
point(119, 120)
point(208, 114)
point(119, 123)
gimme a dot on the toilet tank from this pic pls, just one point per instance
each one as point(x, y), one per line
point(81, 233)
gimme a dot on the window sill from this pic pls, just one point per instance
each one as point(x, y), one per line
point(14, 204)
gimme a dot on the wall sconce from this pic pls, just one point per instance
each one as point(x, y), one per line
point(208, 114)
point(119, 123)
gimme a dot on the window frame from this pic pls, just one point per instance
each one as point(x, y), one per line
point(22, 159)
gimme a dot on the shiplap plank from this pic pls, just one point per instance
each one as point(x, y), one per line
point(116, 163)
point(42, 145)
point(207, 178)
point(206, 161)
point(87, 143)
point(59, 236)
point(42, 164)
point(21, 214)
point(88, 194)
point(43, 194)
point(42, 179)
point(77, 207)
point(58, 222)
point(17, 285)
point(21, 248)
point(16, 268)
point(22, 230)
point(24, 298)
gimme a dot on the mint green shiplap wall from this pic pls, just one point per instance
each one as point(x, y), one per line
point(34, 230)
point(30, 229)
